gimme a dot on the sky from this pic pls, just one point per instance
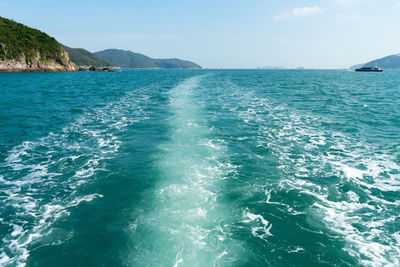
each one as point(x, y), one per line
point(221, 33)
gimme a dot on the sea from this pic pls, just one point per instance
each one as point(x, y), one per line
point(200, 168)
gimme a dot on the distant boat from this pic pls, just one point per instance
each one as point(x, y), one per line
point(374, 69)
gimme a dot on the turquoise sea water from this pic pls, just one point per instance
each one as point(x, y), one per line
point(200, 168)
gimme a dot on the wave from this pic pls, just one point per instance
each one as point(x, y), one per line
point(354, 184)
point(42, 178)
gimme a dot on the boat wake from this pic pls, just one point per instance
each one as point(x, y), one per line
point(40, 180)
point(354, 185)
point(187, 224)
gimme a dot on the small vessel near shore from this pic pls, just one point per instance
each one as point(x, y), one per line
point(373, 69)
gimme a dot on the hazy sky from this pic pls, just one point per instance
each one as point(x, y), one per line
point(222, 33)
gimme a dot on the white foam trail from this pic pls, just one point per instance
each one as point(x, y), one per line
point(325, 153)
point(187, 220)
point(42, 176)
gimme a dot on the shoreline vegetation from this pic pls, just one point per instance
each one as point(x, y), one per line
point(25, 49)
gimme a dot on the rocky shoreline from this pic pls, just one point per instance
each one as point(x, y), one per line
point(61, 63)
point(39, 66)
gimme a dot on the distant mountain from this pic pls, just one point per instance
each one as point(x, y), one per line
point(82, 57)
point(26, 49)
point(389, 62)
point(129, 59)
point(356, 66)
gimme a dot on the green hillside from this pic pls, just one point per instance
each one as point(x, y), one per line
point(175, 63)
point(17, 39)
point(389, 62)
point(82, 57)
point(128, 59)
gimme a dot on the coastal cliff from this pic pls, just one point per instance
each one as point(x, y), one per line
point(38, 64)
point(24, 49)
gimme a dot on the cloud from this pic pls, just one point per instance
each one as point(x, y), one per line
point(299, 12)
point(347, 17)
point(349, 2)
point(397, 4)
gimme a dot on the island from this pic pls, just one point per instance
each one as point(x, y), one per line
point(25, 49)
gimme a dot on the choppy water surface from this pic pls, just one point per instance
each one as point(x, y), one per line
point(200, 168)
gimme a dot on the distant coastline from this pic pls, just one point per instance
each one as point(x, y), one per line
point(25, 49)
